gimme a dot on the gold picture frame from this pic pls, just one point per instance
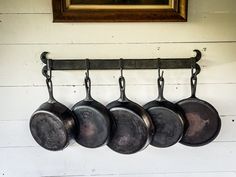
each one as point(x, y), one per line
point(73, 11)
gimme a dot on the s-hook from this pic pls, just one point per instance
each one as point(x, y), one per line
point(47, 69)
point(195, 68)
point(121, 67)
point(160, 74)
point(87, 64)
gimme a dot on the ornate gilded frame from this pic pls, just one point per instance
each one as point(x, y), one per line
point(64, 11)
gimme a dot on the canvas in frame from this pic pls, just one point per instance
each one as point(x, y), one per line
point(119, 10)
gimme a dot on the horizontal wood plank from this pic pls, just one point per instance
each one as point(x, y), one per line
point(79, 161)
point(21, 102)
point(38, 28)
point(180, 174)
point(44, 6)
point(26, 6)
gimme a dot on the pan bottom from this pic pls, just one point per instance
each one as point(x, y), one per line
point(48, 131)
point(168, 125)
point(94, 127)
point(131, 133)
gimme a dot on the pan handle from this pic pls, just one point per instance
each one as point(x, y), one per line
point(160, 82)
point(87, 83)
point(123, 97)
point(193, 86)
point(50, 91)
point(47, 72)
point(193, 81)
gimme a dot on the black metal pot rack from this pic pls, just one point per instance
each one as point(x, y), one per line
point(111, 64)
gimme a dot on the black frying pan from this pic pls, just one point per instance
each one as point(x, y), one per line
point(167, 118)
point(52, 125)
point(203, 119)
point(134, 128)
point(93, 118)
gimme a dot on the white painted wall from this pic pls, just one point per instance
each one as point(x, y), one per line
point(26, 30)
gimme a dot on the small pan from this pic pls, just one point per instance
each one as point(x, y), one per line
point(167, 118)
point(52, 125)
point(93, 118)
point(133, 128)
point(203, 119)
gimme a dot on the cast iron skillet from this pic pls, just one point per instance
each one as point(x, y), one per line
point(203, 119)
point(134, 128)
point(52, 125)
point(167, 118)
point(93, 118)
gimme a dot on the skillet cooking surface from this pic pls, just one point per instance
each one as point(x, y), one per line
point(203, 119)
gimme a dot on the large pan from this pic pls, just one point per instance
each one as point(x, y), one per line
point(52, 125)
point(167, 118)
point(203, 120)
point(134, 128)
point(93, 118)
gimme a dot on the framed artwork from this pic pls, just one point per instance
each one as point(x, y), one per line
point(119, 10)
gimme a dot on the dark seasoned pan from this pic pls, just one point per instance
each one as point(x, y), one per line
point(52, 125)
point(203, 119)
point(134, 128)
point(93, 118)
point(167, 119)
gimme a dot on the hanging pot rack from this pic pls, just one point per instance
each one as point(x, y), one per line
point(128, 64)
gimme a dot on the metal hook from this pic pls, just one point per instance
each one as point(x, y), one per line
point(121, 67)
point(198, 55)
point(159, 67)
point(43, 57)
point(87, 64)
point(193, 68)
point(160, 74)
point(47, 70)
point(49, 67)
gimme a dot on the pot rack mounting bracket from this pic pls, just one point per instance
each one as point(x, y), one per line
point(112, 64)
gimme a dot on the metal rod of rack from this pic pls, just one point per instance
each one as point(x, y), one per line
point(111, 64)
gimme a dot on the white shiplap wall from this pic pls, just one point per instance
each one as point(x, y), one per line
point(26, 30)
